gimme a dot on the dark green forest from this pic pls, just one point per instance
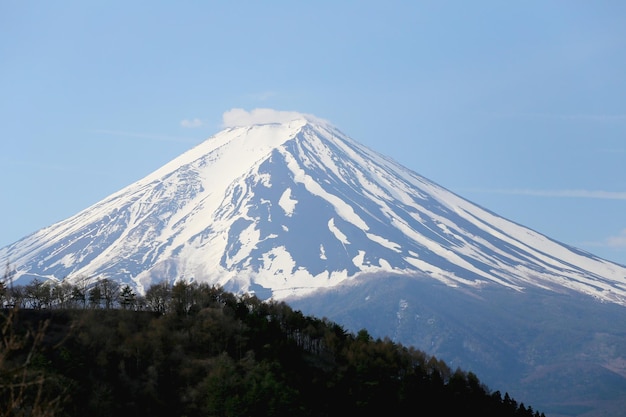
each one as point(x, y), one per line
point(192, 349)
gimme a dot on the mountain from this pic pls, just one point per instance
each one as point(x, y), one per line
point(299, 211)
point(286, 209)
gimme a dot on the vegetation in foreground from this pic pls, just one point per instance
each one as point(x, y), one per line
point(195, 350)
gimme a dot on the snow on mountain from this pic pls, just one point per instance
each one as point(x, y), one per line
point(283, 209)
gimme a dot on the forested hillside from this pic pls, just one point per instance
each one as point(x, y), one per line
point(195, 350)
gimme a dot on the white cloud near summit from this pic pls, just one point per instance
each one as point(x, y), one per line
point(241, 117)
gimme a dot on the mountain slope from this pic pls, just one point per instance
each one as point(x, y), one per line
point(285, 209)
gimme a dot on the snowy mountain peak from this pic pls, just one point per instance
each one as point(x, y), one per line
point(287, 205)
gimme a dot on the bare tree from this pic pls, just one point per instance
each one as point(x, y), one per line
point(110, 290)
point(62, 294)
point(23, 391)
point(79, 292)
point(158, 297)
point(6, 284)
point(95, 296)
point(38, 294)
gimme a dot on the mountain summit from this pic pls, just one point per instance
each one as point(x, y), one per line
point(284, 209)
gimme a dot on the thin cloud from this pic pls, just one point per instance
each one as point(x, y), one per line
point(600, 118)
point(596, 194)
point(618, 241)
point(594, 117)
point(613, 150)
point(191, 123)
point(148, 136)
point(263, 96)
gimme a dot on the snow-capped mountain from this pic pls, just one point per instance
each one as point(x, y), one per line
point(300, 212)
point(284, 209)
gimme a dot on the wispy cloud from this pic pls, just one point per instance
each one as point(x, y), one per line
point(613, 150)
point(264, 95)
point(597, 194)
point(191, 123)
point(600, 118)
point(41, 166)
point(147, 136)
point(615, 242)
point(618, 241)
point(591, 117)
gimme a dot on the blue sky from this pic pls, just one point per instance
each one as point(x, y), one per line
point(519, 107)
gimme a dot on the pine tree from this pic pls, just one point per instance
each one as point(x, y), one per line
point(127, 297)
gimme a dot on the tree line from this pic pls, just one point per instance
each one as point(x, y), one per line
point(48, 294)
point(192, 349)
